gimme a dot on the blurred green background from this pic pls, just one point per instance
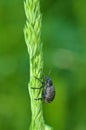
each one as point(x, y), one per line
point(64, 48)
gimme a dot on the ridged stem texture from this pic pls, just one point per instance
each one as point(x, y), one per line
point(32, 32)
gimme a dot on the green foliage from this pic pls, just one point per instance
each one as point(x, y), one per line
point(64, 52)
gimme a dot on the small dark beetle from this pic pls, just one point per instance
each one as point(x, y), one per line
point(48, 92)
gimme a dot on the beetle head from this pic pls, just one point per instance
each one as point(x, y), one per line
point(48, 81)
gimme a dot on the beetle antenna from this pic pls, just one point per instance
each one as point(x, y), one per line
point(50, 71)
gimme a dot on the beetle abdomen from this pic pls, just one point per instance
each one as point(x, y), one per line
point(48, 94)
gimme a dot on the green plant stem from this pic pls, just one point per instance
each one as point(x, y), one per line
point(32, 32)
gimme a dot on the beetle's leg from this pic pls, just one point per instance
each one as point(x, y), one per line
point(37, 88)
point(39, 80)
point(38, 98)
point(38, 93)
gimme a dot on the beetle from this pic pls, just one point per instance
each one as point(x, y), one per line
point(48, 91)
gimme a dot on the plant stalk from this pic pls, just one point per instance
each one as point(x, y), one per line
point(32, 32)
